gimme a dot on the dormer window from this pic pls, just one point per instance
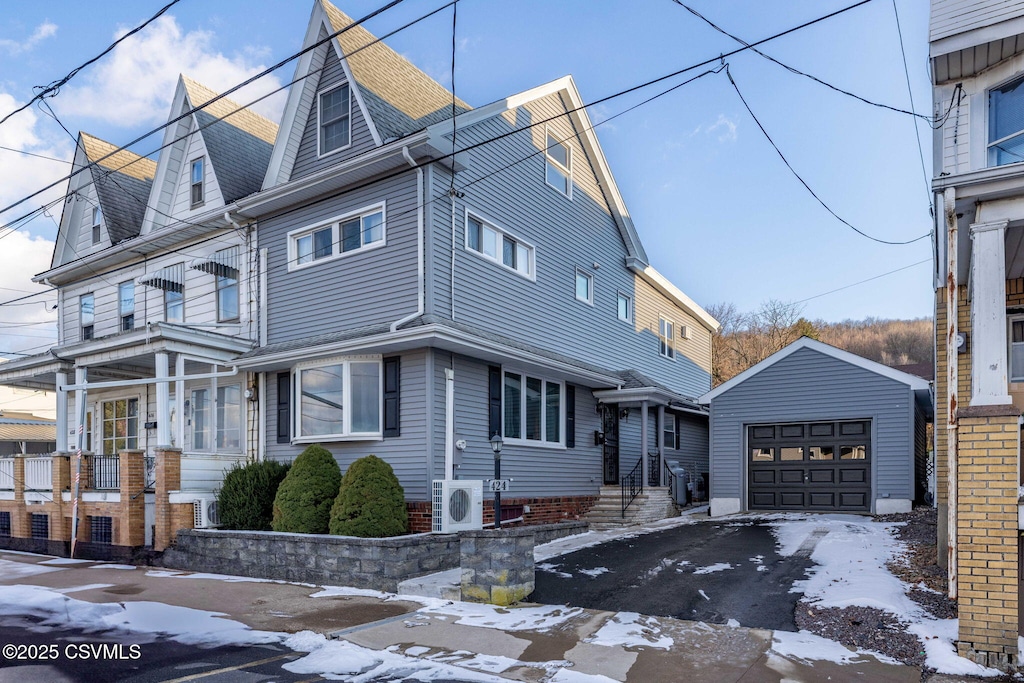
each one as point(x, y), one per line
point(334, 119)
point(197, 182)
point(97, 221)
point(558, 166)
point(1006, 124)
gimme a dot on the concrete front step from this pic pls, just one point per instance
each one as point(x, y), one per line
point(651, 505)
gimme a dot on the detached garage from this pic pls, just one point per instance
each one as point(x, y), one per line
point(816, 428)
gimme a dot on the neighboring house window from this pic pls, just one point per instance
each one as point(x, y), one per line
point(558, 166)
point(126, 305)
point(227, 298)
point(496, 245)
point(339, 399)
point(87, 315)
point(97, 221)
point(350, 233)
point(101, 530)
point(40, 525)
point(197, 182)
point(201, 419)
point(1017, 349)
point(666, 338)
point(334, 119)
point(217, 425)
point(174, 305)
point(669, 431)
point(120, 427)
point(533, 409)
point(1005, 124)
point(584, 287)
point(625, 307)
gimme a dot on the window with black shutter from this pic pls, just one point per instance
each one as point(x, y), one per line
point(392, 376)
point(284, 407)
point(570, 416)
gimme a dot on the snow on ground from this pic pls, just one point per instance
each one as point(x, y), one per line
point(9, 569)
point(172, 574)
point(807, 647)
point(595, 572)
point(570, 676)
point(629, 629)
point(104, 565)
point(937, 636)
point(539, 618)
point(64, 560)
point(712, 568)
point(553, 569)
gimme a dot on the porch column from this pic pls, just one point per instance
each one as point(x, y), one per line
point(988, 315)
point(163, 401)
point(661, 445)
point(62, 413)
point(644, 467)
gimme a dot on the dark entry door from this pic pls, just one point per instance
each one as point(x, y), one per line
point(810, 466)
point(610, 428)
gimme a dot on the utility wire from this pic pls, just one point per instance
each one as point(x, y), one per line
point(804, 182)
point(917, 131)
point(854, 284)
point(53, 88)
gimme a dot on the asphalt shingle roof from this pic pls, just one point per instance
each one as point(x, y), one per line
point(122, 181)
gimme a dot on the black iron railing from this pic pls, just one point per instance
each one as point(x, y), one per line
point(106, 472)
point(670, 479)
point(149, 462)
point(632, 485)
point(653, 471)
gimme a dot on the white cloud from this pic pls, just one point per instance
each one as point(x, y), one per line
point(43, 31)
point(27, 324)
point(141, 73)
point(723, 129)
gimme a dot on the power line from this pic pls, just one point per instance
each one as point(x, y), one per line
point(53, 88)
point(804, 182)
point(854, 284)
point(33, 154)
point(910, 94)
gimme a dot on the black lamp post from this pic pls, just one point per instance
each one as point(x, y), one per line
point(496, 444)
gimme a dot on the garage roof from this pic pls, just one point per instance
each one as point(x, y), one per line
point(915, 383)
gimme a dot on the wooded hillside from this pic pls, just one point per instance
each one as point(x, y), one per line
point(748, 338)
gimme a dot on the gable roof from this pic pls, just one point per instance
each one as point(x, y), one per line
point(122, 181)
point(915, 383)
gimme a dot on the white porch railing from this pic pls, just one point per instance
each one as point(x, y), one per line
point(39, 474)
point(7, 474)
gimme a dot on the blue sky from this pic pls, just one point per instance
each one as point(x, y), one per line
point(718, 212)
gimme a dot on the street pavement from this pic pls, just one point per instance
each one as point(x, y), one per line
point(571, 644)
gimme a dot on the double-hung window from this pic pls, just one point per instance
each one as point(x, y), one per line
point(196, 184)
point(334, 119)
point(558, 165)
point(217, 424)
point(494, 244)
point(126, 305)
point(1006, 124)
point(360, 230)
point(120, 425)
point(227, 297)
point(625, 305)
point(669, 431)
point(87, 315)
point(97, 221)
point(533, 409)
point(339, 399)
point(584, 287)
point(666, 338)
point(174, 305)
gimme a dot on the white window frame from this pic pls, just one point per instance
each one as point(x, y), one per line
point(502, 233)
point(666, 338)
point(346, 392)
point(192, 183)
point(97, 223)
point(122, 312)
point(989, 144)
point(1014, 376)
point(335, 225)
point(590, 287)
point(99, 428)
point(213, 421)
point(629, 307)
point(566, 170)
point(523, 441)
point(320, 124)
point(81, 320)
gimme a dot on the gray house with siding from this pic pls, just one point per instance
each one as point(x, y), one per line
point(816, 428)
point(422, 291)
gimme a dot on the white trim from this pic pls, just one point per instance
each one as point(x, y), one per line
point(192, 205)
point(319, 124)
point(668, 338)
point(335, 226)
point(6, 495)
point(629, 307)
point(891, 506)
point(915, 383)
point(1012, 377)
point(502, 232)
point(567, 170)
point(725, 506)
point(590, 286)
point(522, 440)
point(662, 284)
point(346, 434)
point(355, 88)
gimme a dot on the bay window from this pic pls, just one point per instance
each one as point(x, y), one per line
point(339, 399)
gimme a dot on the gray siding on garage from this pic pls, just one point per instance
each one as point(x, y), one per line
point(809, 386)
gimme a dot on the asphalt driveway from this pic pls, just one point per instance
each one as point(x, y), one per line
point(711, 571)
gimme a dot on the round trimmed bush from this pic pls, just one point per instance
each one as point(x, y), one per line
point(370, 502)
point(303, 502)
point(246, 499)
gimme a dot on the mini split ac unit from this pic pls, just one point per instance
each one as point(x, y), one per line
point(205, 513)
point(457, 505)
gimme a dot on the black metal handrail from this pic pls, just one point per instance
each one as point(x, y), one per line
point(670, 479)
point(633, 483)
point(653, 472)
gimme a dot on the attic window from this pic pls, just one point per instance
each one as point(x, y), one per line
point(97, 220)
point(558, 166)
point(197, 182)
point(334, 119)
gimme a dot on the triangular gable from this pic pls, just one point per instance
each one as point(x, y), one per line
point(915, 383)
point(235, 144)
point(394, 97)
point(118, 183)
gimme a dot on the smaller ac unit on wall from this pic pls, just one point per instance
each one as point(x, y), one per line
point(457, 505)
point(205, 511)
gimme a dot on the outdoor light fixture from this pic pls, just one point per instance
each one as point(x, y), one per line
point(496, 444)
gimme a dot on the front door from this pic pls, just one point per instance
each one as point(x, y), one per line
point(610, 428)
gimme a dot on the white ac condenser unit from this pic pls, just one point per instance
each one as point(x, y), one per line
point(205, 513)
point(458, 505)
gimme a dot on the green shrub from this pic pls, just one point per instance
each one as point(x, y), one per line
point(303, 502)
point(371, 502)
point(246, 500)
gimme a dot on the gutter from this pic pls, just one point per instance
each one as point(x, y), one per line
point(421, 283)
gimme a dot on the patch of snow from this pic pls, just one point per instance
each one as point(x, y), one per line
point(704, 595)
point(539, 618)
point(491, 663)
point(104, 565)
point(757, 559)
point(570, 676)
point(64, 560)
point(596, 571)
point(629, 629)
point(553, 569)
point(732, 623)
point(228, 578)
point(807, 647)
point(87, 587)
point(335, 591)
point(417, 650)
point(9, 569)
point(712, 568)
point(762, 568)
point(939, 636)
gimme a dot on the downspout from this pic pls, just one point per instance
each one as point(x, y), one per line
point(952, 379)
point(421, 281)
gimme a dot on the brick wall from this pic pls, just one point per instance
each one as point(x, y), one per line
point(542, 510)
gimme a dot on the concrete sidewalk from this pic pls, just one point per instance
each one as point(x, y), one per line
point(527, 643)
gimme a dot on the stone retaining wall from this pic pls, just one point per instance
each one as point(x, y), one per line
point(497, 565)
